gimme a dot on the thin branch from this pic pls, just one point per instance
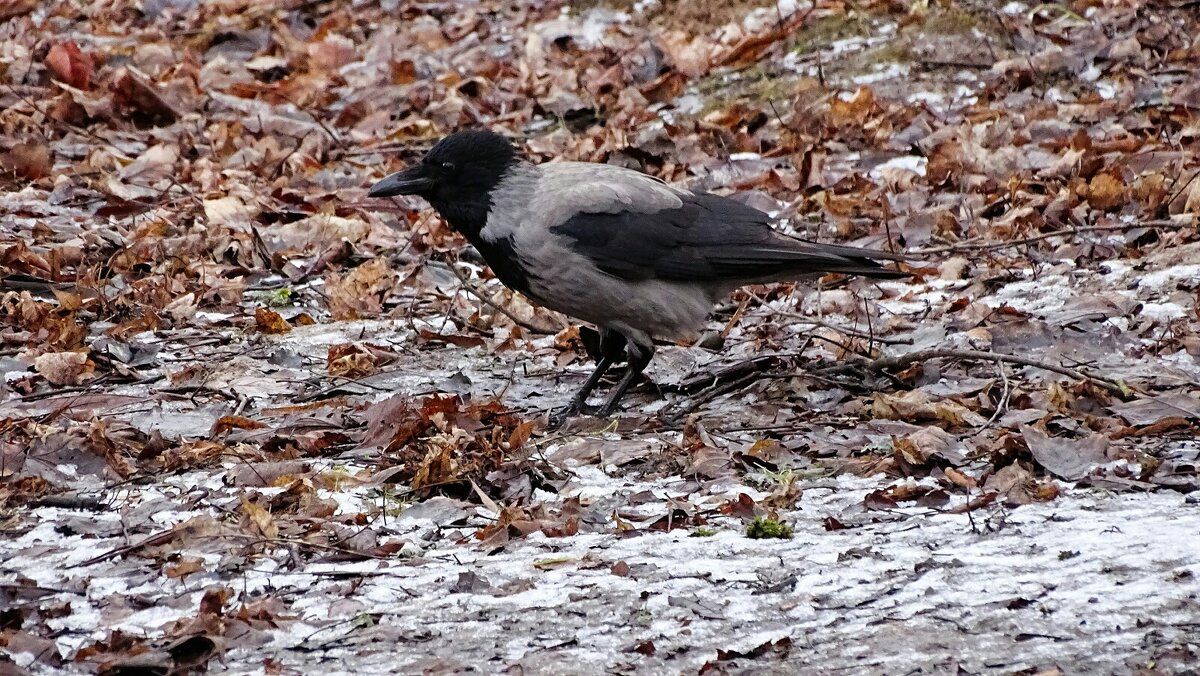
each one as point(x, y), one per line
point(832, 327)
point(1002, 405)
point(470, 286)
point(993, 246)
point(902, 361)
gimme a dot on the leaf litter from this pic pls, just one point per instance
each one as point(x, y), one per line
point(250, 420)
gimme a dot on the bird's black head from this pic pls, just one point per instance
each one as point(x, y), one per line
point(456, 176)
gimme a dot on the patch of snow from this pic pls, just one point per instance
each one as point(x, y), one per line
point(1056, 95)
point(787, 8)
point(1114, 269)
point(1158, 280)
point(689, 103)
point(214, 317)
point(838, 47)
point(918, 303)
point(913, 163)
point(929, 97)
point(889, 71)
point(1163, 312)
point(1036, 296)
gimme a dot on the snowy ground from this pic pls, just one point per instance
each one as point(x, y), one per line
point(1092, 583)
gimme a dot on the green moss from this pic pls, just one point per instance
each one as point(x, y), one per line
point(273, 298)
point(756, 84)
point(829, 29)
point(761, 528)
point(895, 51)
point(703, 532)
point(952, 20)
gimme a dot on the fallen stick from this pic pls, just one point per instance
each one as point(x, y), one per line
point(901, 361)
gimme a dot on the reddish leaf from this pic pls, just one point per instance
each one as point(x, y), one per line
point(70, 65)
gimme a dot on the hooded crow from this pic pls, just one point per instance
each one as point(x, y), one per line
point(640, 259)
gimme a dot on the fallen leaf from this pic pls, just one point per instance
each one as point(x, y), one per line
point(65, 368)
point(919, 405)
point(1018, 486)
point(1150, 410)
point(136, 97)
point(260, 519)
point(27, 160)
point(270, 321)
point(1068, 459)
point(185, 567)
point(360, 293)
point(70, 65)
point(1106, 191)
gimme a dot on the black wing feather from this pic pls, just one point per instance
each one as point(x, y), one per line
point(708, 238)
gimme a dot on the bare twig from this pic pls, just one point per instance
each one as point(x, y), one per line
point(1002, 405)
point(674, 413)
point(832, 327)
point(976, 245)
point(470, 286)
point(901, 361)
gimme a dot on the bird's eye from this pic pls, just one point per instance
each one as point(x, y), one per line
point(448, 166)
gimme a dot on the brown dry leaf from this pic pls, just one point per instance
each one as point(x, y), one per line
point(458, 339)
point(71, 65)
point(354, 360)
point(1069, 459)
point(1019, 487)
point(438, 465)
point(65, 368)
point(666, 88)
point(27, 160)
point(234, 422)
point(270, 321)
point(1106, 191)
point(918, 405)
point(134, 96)
point(907, 454)
point(229, 211)
point(751, 48)
point(68, 300)
point(360, 293)
point(15, 8)
point(710, 463)
point(959, 479)
point(260, 519)
point(854, 111)
point(186, 566)
point(520, 435)
point(331, 53)
point(393, 423)
point(155, 164)
point(1188, 202)
point(1150, 410)
point(352, 365)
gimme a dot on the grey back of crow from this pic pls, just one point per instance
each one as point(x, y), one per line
point(639, 258)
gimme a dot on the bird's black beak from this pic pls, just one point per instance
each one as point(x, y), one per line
point(411, 181)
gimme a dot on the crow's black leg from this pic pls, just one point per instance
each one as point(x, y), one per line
point(639, 357)
point(612, 345)
point(612, 350)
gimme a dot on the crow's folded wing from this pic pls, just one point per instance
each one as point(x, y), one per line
point(707, 238)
